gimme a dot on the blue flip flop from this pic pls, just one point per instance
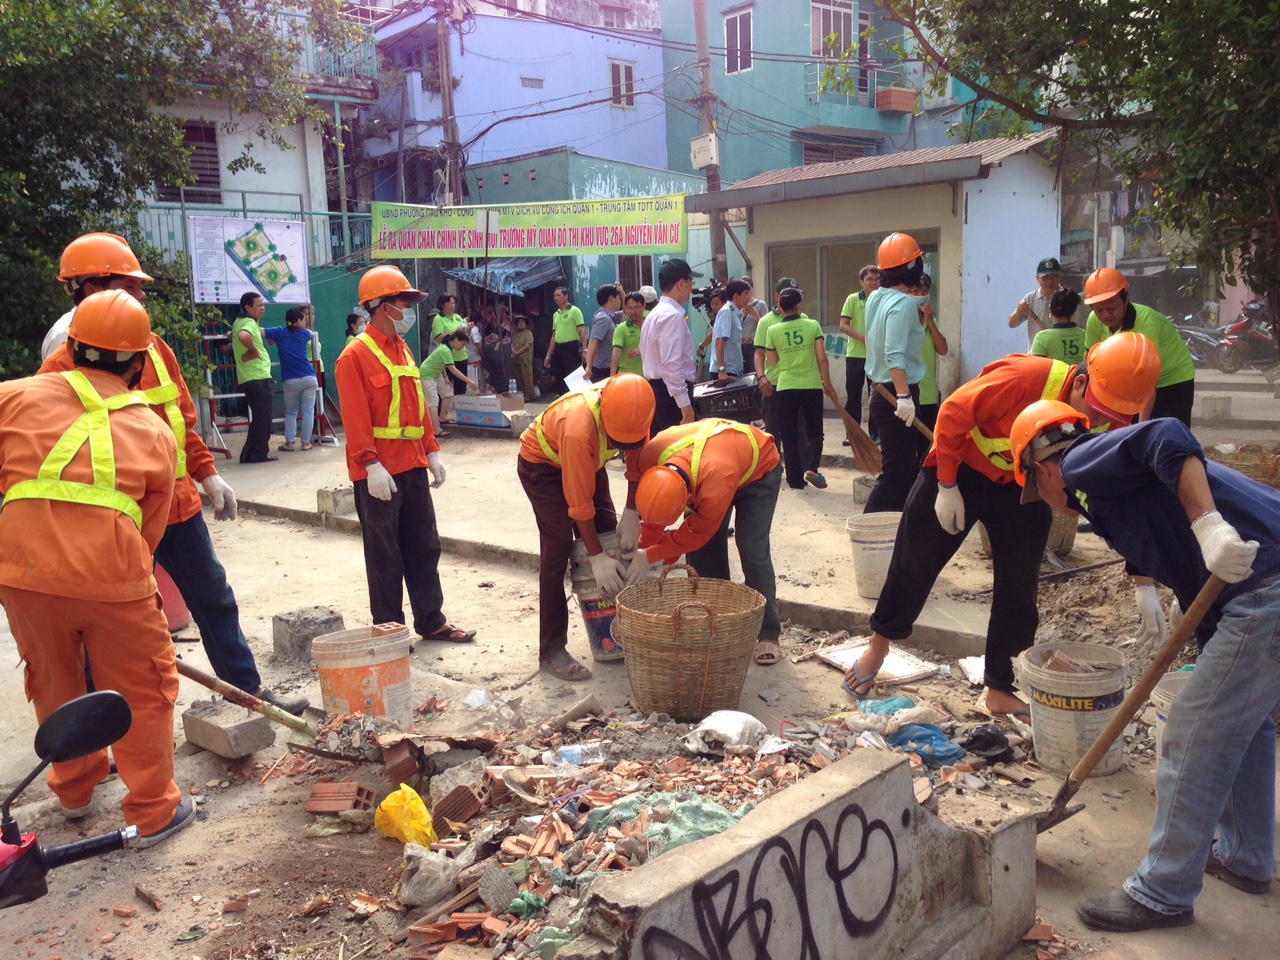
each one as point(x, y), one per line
point(860, 680)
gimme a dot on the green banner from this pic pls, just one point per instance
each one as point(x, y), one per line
point(644, 225)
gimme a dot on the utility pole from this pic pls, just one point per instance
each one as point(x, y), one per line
point(452, 140)
point(707, 106)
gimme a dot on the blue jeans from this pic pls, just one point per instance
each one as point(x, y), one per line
point(1218, 765)
point(299, 396)
point(752, 510)
point(186, 552)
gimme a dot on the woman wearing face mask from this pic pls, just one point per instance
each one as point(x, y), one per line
point(299, 376)
point(355, 327)
point(895, 338)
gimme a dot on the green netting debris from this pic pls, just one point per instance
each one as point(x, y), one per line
point(674, 819)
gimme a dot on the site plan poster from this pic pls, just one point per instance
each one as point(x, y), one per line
point(231, 257)
point(632, 225)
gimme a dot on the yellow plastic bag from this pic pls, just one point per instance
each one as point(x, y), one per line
point(404, 817)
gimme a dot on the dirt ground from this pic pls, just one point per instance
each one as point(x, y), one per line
point(250, 842)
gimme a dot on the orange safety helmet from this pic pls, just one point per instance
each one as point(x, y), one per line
point(896, 250)
point(627, 406)
point(661, 496)
point(1035, 420)
point(1123, 371)
point(111, 320)
point(387, 281)
point(1103, 284)
point(99, 255)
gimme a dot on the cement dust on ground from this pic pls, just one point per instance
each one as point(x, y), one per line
point(251, 841)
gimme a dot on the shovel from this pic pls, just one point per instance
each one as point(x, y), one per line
point(1178, 637)
point(304, 731)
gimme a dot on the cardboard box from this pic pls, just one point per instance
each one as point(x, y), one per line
point(511, 402)
point(480, 411)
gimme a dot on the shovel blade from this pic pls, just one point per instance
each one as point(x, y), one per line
point(1055, 815)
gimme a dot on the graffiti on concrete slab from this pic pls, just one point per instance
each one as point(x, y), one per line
point(793, 900)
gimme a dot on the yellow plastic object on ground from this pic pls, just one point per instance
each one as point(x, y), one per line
point(404, 817)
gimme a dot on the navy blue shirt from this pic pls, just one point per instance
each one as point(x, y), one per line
point(1126, 482)
point(292, 344)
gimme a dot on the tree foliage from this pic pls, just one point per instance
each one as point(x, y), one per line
point(1184, 93)
point(83, 133)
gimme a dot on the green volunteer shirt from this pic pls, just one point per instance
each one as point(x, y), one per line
point(1062, 341)
point(565, 324)
point(793, 340)
point(433, 367)
point(855, 309)
point(929, 382)
point(627, 336)
point(249, 370)
point(442, 325)
point(762, 343)
point(1176, 363)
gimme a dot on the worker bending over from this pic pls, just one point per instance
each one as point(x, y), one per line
point(87, 472)
point(968, 477)
point(700, 471)
point(562, 469)
point(1154, 499)
point(389, 453)
point(103, 261)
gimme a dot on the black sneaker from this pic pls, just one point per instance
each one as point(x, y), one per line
point(182, 817)
point(1120, 912)
point(294, 706)
point(1216, 868)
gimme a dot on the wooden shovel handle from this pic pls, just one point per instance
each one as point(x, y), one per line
point(246, 700)
point(917, 423)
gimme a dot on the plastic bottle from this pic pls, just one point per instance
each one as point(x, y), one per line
point(576, 754)
point(511, 386)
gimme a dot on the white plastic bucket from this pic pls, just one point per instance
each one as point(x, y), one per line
point(1069, 710)
point(366, 671)
point(872, 536)
point(599, 616)
point(1162, 698)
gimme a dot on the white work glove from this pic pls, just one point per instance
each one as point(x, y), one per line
point(436, 466)
point(608, 573)
point(380, 483)
point(628, 530)
point(639, 568)
point(1175, 614)
point(1225, 554)
point(1154, 629)
point(906, 411)
point(949, 506)
point(223, 497)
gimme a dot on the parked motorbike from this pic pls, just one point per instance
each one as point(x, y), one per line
point(1250, 340)
point(76, 729)
point(1201, 341)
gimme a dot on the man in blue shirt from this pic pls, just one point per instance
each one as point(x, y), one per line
point(726, 360)
point(1154, 499)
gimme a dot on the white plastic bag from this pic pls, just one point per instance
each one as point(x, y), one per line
point(727, 731)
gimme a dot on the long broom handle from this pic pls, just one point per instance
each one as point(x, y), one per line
point(917, 423)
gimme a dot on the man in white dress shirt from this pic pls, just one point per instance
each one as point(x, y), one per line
point(666, 348)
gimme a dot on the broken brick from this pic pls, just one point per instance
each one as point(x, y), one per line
point(336, 797)
point(400, 761)
point(459, 805)
point(125, 911)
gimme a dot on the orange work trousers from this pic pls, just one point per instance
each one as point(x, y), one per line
point(132, 653)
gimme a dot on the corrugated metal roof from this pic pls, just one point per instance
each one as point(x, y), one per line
point(988, 151)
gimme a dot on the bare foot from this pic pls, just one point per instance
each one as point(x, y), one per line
point(1000, 703)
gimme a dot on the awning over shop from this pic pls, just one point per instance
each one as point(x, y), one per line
point(512, 276)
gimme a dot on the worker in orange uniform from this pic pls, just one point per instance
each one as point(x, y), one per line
point(87, 471)
point(561, 467)
point(968, 477)
point(389, 453)
point(699, 471)
point(103, 261)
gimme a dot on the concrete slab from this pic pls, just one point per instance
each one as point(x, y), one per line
point(843, 865)
point(292, 632)
point(226, 730)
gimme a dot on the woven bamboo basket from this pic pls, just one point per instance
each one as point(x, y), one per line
point(688, 643)
point(1253, 460)
point(1062, 535)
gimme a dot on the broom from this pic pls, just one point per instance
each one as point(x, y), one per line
point(865, 452)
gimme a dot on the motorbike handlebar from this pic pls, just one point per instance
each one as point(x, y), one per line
point(64, 853)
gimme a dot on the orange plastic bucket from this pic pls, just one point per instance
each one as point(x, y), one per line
point(366, 670)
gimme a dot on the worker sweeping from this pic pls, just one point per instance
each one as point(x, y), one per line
point(562, 469)
point(87, 472)
point(1156, 501)
point(701, 471)
point(968, 477)
point(103, 261)
point(389, 453)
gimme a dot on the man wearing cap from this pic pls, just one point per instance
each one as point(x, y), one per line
point(666, 347)
point(1107, 291)
point(968, 476)
point(1034, 307)
point(1155, 499)
point(389, 454)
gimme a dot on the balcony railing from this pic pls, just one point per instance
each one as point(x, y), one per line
point(163, 226)
point(359, 60)
point(866, 82)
